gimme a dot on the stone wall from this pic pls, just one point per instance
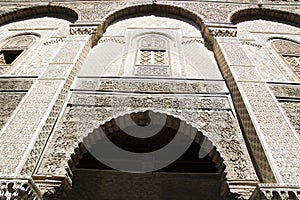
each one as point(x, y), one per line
point(112, 185)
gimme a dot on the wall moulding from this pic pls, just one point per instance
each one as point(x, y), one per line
point(150, 86)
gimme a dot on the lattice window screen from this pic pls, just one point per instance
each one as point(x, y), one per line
point(152, 57)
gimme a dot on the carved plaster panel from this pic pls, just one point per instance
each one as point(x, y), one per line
point(153, 86)
point(61, 89)
point(236, 55)
point(273, 127)
point(217, 12)
point(149, 22)
point(215, 123)
point(246, 120)
point(292, 110)
point(17, 135)
point(8, 84)
point(246, 73)
point(268, 69)
point(36, 64)
point(285, 91)
point(68, 52)
point(8, 103)
point(56, 71)
point(259, 26)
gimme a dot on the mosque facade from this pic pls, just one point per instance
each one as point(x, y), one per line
point(150, 100)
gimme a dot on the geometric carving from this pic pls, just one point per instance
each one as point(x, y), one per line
point(152, 71)
point(285, 91)
point(265, 61)
point(83, 30)
point(292, 110)
point(119, 40)
point(13, 90)
point(236, 54)
point(153, 41)
point(245, 117)
point(153, 86)
point(53, 41)
point(254, 44)
point(19, 132)
point(152, 57)
point(54, 91)
point(56, 71)
point(8, 103)
point(274, 127)
point(186, 41)
point(246, 73)
point(214, 116)
point(223, 32)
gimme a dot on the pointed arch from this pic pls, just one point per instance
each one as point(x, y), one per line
point(265, 13)
point(124, 120)
point(162, 10)
point(39, 11)
point(172, 121)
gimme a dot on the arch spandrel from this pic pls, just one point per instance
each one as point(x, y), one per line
point(218, 126)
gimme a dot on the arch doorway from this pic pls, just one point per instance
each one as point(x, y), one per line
point(189, 177)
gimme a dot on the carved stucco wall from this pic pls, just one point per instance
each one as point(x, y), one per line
point(57, 76)
point(288, 97)
point(51, 33)
point(257, 46)
point(217, 12)
point(292, 110)
point(12, 92)
point(251, 63)
point(271, 65)
point(207, 106)
point(44, 63)
point(121, 38)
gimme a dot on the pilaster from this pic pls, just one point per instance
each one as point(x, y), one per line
point(273, 142)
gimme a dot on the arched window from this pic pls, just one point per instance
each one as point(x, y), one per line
point(12, 48)
point(152, 56)
point(290, 52)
